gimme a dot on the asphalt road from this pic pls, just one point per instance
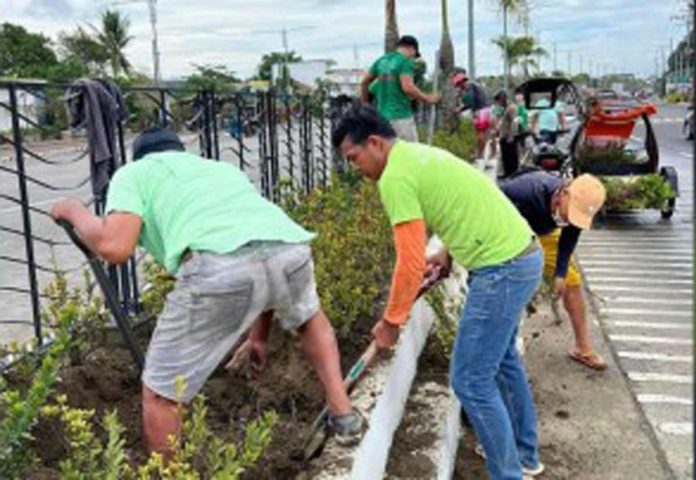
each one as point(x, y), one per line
point(640, 267)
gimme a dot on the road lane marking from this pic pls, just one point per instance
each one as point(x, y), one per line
point(658, 357)
point(659, 377)
point(653, 325)
point(659, 398)
point(648, 339)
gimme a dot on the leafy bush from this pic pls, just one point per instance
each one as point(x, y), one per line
point(353, 251)
point(461, 143)
point(19, 411)
point(197, 453)
point(634, 193)
point(609, 155)
point(447, 311)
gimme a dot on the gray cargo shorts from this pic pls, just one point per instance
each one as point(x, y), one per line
point(406, 129)
point(215, 300)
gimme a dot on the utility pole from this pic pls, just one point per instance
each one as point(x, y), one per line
point(570, 63)
point(472, 49)
point(286, 49)
point(152, 7)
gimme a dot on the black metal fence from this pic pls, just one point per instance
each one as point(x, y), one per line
point(274, 138)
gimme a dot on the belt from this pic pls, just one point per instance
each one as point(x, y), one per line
point(531, 248)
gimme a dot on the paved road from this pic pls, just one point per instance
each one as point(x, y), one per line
point(641, 269)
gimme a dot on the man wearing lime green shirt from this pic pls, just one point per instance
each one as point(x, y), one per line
point(238, 259)
point(428, 189)
point(390, 82)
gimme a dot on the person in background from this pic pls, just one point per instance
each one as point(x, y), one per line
point(474, 100)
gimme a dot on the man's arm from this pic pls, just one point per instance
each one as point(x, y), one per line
point(566, 246)
point(113, 237)
point(409, 240)
point(365, 87)
point(411, 89)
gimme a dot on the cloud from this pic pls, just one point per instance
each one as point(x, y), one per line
point(623, 33)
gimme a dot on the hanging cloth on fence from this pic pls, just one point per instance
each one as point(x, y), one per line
point(97, 105)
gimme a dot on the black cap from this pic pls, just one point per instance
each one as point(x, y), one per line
point(156, 139)
point(409, 41)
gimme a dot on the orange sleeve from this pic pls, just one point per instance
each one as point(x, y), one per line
point(409, 239)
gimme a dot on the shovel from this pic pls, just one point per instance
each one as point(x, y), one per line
point(110, 297)
point(320, 432)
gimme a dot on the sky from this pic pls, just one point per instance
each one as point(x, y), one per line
point(608, 35)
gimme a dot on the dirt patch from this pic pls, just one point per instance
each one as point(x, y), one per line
point(107, 380)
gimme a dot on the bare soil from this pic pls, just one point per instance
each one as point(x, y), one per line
point(108, 379)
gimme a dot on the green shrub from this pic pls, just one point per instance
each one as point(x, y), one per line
point(447, 311)
point(635, 193)
point(461, 143)
point(353, 252)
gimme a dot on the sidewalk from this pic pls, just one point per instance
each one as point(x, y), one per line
point(589, 426)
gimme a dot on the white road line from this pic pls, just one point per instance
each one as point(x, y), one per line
point(625, 250)
point(657, 357)
point(653, 325)
point(653, 313)
point(605, 287)
point(659, 377)
point(659, 398)
point(686, 155)
point(646, 339)
point(686, 256)
point(655, 301)
point(647, 273)
point(676, 428)
point(617, 263)
point(604, 281)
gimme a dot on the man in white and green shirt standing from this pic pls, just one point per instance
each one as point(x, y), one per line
point(238, 260)
point(390, 80)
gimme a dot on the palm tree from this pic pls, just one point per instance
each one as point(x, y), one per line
point(518, 8)
point(391, 28)
point(446, 61)
point(114, 37)
point(520, 51)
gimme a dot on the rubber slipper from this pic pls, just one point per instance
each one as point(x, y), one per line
point(590, 360)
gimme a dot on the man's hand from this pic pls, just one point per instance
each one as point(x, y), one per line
point(252, 353)
point(559, 285)
point(385, 334)
point(434, 99)
point(441, 259)
point(63, 209)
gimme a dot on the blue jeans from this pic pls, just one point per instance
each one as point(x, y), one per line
point(487, 374)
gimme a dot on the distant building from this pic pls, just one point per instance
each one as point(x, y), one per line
point(30, 104)
point(346, 80)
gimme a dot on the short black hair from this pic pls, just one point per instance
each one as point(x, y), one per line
point(156, 139)
point(358, 123)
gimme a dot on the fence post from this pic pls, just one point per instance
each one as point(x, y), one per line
point(216, 139)
point(26, 219)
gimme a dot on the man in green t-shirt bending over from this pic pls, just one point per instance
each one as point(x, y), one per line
point(390, 81)
point(238, 260)
point(428, 189)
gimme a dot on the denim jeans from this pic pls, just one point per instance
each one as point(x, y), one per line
point(487, 373)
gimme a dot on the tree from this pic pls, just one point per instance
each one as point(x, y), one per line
point(518, 8)
point(114, 38)
point(80, 46)
point(212, 78)
point(24, 54)
point(391, 27)
point(521, 52)
point(265, 68)
point(449, 115)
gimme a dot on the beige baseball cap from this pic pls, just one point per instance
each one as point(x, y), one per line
point(587, 196)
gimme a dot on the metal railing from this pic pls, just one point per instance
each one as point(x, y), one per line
point(274, 138)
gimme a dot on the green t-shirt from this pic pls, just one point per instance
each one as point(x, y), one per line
point(390, 99)
point(472, 217)
point(524, 116)
point(190, 203)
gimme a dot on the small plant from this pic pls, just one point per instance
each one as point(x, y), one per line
point(634, 193)
point(197, 454)
point(447, 311)
point(19, 411)
point(461, 143)
point(159, 283)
